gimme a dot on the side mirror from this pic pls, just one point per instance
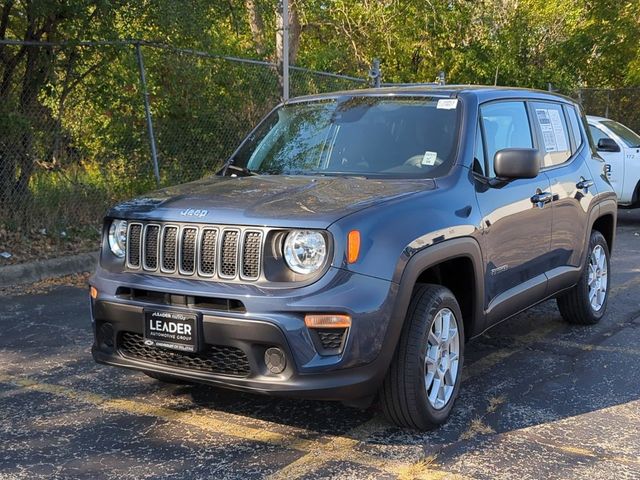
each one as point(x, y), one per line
point(512, 163)
point(608, 145)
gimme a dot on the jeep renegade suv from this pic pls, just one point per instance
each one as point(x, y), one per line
point(354, 242)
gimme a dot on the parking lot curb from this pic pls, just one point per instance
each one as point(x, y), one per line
point(43, 269)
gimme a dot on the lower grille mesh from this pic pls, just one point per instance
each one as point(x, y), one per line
point(331, 338)
point(217, 359)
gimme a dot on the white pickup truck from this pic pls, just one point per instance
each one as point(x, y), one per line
point(619, 146)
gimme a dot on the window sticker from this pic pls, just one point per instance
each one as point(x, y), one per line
point(558, 130)
point(547, 130)
point(553, 133)
point(429, 158)
point(447, 103)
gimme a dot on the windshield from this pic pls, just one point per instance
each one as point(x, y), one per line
point(368, 136)
point(628, 136)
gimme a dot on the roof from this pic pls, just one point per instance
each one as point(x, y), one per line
point(595, 118)
point(483, 92)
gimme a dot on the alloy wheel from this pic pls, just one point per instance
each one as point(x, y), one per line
point(598, 277)
point(442, 358)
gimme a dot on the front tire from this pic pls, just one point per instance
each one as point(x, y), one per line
point(585, 304)
point(424, 377)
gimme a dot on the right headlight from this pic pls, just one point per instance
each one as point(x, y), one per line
point(305, 251)
point(118, 237)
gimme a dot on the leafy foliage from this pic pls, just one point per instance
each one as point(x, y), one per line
point(72, 124)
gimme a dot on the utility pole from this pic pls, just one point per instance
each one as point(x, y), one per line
point(285, 50)
point(147, 111)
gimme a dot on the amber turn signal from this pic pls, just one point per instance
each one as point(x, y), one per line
point(327, 321)
point(94, 292)
point(353, 246)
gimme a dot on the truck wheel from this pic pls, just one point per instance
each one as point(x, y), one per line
point(424, 377)
point(164, 378)
point(586, 303)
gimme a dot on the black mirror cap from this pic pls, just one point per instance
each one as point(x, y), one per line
point(517, 163)
point(608, 145)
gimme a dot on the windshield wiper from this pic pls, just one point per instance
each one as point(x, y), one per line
point(243, 170)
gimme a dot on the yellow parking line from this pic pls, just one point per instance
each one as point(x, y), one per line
point(537, 438)
point(632, 282)
point(588, 347)
point(315, 459)
point(204, 422)
point(335, 449)
point(489, 361)
point(339, 448)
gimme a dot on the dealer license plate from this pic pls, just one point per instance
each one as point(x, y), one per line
point(174, 330)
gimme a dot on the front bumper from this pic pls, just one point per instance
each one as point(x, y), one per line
point(271, 318)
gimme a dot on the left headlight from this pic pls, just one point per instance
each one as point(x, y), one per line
point(118, 237)
point(305, 251)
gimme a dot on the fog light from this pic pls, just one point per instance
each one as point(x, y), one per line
point(275, 360)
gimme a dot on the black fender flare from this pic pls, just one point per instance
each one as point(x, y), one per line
point(606, 207)
point(466, 247)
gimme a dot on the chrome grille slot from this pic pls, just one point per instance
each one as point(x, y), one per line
point(215, 252)
point(188, 250)
point(229, 254)
point(169, 248)
point(133, 245)
point(251, 248)
point(151, 241)
point(208, 251)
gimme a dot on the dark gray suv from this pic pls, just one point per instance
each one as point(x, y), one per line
point(355, 241)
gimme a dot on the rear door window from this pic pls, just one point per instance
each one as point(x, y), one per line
point(554, 133)
point(505, 125)
point(576, 133)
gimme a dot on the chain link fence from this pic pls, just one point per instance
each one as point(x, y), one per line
point(75, 136)
point(622, 104)
point(74, 132)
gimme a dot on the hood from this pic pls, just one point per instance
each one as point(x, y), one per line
point(279, 201)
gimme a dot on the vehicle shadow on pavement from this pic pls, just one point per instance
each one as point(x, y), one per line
point(532, 370)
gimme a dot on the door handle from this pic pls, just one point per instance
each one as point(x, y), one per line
point(542, 198)
point(584, 184)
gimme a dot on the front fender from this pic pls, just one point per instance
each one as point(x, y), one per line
point(422, 260)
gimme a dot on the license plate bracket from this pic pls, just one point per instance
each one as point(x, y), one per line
point(172, 330)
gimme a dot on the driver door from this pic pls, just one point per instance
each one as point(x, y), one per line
point(516, 231)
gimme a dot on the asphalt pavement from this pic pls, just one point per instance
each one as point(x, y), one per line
point(539, 399)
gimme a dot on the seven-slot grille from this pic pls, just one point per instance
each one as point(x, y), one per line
point(227, 253)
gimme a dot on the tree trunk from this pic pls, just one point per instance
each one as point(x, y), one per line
point(256, 24)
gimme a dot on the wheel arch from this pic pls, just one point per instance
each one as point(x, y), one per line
point(605, 222)
point(439, 264)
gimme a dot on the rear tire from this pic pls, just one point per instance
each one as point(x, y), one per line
point(164, 378)
point(586, 303)
point(424, 377)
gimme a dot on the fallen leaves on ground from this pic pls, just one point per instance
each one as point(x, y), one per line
point(41, 244)
point(79, 280)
